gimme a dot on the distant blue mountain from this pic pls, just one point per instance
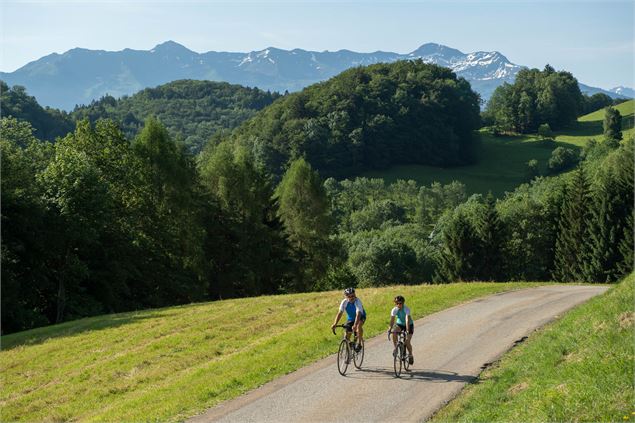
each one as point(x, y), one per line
point(79, 76)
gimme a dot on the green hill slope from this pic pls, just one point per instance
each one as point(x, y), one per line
point(168, 364)
point(503, 160)
point(579, 368)
point(590, 126)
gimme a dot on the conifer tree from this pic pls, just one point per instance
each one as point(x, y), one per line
point(460, 252)
point(612, 126)
point(573, 229)
point(491, 233)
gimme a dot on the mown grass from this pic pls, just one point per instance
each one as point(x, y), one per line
point(172, 363)
point(579, 368)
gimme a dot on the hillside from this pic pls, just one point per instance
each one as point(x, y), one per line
point(191, 110)
point(369, 118)
point(168, 364)
point(578, 368)
point(502, 164)
point(590, 126)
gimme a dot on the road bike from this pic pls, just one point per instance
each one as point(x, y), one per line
point(401, 357)
point(348, 351)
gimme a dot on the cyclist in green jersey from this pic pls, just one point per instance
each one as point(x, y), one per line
point(402, 313)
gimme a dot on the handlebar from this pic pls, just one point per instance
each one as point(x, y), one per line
point(337, 326)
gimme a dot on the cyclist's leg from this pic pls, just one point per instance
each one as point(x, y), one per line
point(411, 331)
point(360, 330)
point(349, 329)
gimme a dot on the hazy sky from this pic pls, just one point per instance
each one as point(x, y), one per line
point(591, 39)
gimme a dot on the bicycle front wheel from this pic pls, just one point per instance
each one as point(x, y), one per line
point(343, 355)
point(358, 356)
point(397, 359)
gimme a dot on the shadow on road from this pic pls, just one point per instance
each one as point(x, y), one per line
point(435, 376)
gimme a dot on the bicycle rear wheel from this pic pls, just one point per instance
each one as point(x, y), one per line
point(397, 359)
point(358, 356)
point(343, 355)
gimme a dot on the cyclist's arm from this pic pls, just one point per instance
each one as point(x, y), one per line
point(337, 317)
point(358, 318)
point(392, 322)
point(408, 321)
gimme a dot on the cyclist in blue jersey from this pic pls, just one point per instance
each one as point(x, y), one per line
point(356, 316)
point(404, 320)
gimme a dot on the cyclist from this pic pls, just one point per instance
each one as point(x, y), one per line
point(404, 319)
point(356, 316)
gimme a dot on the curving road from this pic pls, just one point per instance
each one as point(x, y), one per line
point(450, 349)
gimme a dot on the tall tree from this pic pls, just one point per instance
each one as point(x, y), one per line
point(304, 211)
point(612, 126)
point(492, 236)
point(573, 229)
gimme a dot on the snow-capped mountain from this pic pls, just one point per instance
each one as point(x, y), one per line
point(623, 91)
point(79, 76)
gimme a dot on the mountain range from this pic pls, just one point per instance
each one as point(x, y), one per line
point(79, 76)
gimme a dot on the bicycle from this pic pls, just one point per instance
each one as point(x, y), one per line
point(347, 351)
point(401, 357)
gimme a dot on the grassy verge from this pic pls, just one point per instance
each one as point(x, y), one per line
point(172, 363)
point(579, 368)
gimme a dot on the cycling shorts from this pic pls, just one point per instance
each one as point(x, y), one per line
point(411, 329)
point(349, 325)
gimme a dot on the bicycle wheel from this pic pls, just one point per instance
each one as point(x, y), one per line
point(397, 359)
point(358, 357)
point(406, 359)
point(343, 357)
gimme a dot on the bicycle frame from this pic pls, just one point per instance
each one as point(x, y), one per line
point(347, 351)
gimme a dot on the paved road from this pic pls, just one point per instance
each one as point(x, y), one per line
point(450, 349)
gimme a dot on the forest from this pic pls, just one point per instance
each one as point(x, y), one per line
point(119, 215)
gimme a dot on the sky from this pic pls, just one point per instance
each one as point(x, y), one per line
point(592, 39)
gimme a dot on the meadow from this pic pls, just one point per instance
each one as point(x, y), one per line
point(502, 164)
point(172, 363)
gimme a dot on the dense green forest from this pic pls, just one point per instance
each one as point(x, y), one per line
point(101, 222)
point(540, 98)
point(192, 111)
point(369, 118)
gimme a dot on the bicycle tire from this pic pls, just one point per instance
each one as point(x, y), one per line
point(406, 359)
point(343, 355)
point(358, 357)
point(397, 362)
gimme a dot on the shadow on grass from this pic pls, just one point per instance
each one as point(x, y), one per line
point(76, 327)
point(414, 374)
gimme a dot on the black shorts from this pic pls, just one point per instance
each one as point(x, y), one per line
point(411, 329)
point(349, 325)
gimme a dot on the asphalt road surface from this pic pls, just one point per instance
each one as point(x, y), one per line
point(450, 349)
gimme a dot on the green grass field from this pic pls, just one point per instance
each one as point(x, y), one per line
point(169, 364)
point(502, 160)
point(590, 126)
point(579, 368)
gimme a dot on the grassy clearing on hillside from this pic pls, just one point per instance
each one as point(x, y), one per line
point(503, 161)
point(501, 166)
point(591, 126)
point(172, 363)
point(577, 369)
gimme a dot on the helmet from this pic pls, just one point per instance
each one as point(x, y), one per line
point(349, 291)
point(400, 299)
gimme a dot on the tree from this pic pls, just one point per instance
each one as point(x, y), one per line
point(612, 126)
point(532, 170)
point(545, 132)
point(492, 236)
point(561, 159)
point(304, 212)
point(573, 234)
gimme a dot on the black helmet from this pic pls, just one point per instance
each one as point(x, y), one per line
point(400, 299)
point(349, 291)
